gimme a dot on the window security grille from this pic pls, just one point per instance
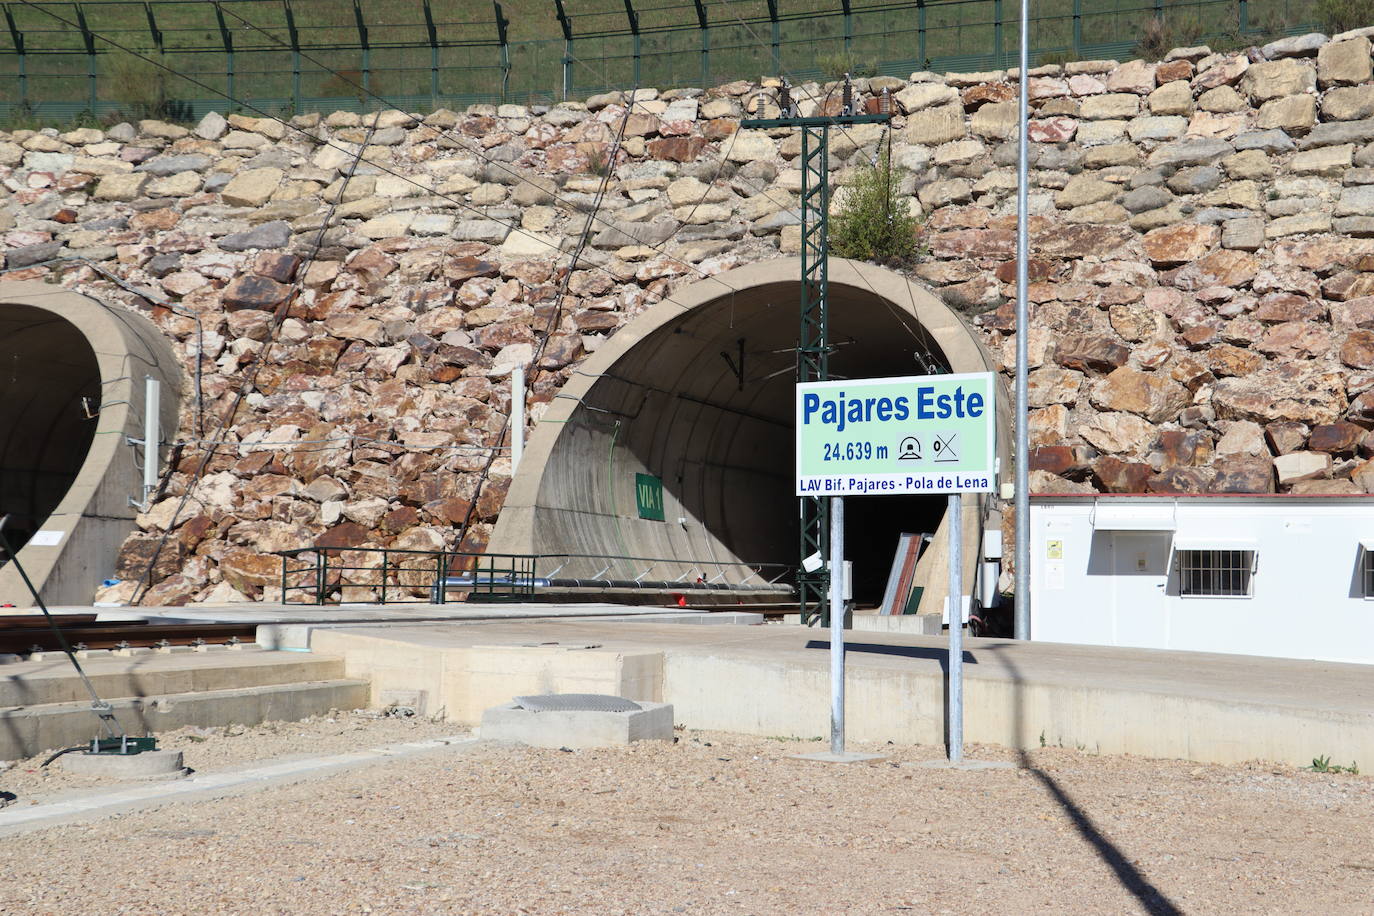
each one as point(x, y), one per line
point(1215, 573)
point(1367, 571)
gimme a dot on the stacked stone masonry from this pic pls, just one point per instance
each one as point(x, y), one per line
point(1202, 277)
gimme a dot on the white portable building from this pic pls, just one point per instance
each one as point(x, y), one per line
point(1287, 576)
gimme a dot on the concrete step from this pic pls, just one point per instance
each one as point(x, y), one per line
point(53, 680)
point(32, 729)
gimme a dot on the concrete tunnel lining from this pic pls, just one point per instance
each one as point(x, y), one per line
point(659, 398)
point(104, 353)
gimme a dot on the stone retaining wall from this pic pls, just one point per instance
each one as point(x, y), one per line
point(1202, 276)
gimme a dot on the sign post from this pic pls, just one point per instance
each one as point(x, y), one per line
point(955, 723)
point(892, 436)
point(837, 626)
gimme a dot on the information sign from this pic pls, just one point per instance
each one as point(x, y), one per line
point(649, 497)
point(884, 436)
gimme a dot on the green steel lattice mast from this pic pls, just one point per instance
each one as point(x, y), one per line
point(813, 342)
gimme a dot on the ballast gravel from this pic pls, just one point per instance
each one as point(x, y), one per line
point(725, 824)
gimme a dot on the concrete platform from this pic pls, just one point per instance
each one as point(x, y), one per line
point(774, 680)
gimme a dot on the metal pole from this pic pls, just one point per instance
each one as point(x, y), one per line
point(152, 435)
point(517, 417)
point(956, 628)
point(1022, 444)
point(837, 625)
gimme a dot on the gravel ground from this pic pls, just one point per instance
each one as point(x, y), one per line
point(723, 824)
point(214, 749)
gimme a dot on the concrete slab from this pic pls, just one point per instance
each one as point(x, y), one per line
point(577, 728)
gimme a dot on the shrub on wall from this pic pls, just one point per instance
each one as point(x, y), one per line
point(874, 220)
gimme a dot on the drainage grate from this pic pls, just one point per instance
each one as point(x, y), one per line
point(577, 702)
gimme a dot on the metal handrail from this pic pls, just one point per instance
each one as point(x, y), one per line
point(407, 575)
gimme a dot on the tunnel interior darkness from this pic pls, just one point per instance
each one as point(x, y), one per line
point(705, 403)
point(46, 368)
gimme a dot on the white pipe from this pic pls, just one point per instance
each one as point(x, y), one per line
point(517, 417)
point(152, 436)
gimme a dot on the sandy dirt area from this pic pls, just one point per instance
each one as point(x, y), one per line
point(720, 824)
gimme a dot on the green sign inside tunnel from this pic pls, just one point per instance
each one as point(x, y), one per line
point(649, 496)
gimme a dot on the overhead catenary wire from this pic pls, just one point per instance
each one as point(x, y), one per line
point(926, 343)
point(259, 360)
point(554, 319)
point(463, 143)
point(511, 226)
point(789, 74)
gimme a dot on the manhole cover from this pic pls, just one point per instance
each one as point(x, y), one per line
point(577, 702)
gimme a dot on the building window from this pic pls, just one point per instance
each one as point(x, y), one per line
point(1367, 569)
point(1215, 573)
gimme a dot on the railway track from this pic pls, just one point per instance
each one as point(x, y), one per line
point(23, 634)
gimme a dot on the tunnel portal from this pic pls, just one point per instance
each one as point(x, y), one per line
point(697, 394)
point(47, 372)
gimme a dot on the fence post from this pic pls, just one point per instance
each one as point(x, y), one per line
point(153, 30)
point(228, 38)
point(566, 24)
point(433, 32)
point(1078, 29)
point(848, 27)
point(633, 19)
point(998, 58)
point(295, 58)
point(91, 68)
point(705, 28)
point(367, 51)
point(1243, 20)
point(921, 35)
point(17, 37)
point(504, 37)
point(777, 36)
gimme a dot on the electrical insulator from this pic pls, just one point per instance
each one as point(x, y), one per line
point(848, 98)
point(785, 99)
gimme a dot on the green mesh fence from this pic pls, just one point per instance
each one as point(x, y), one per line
point(60, 60)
